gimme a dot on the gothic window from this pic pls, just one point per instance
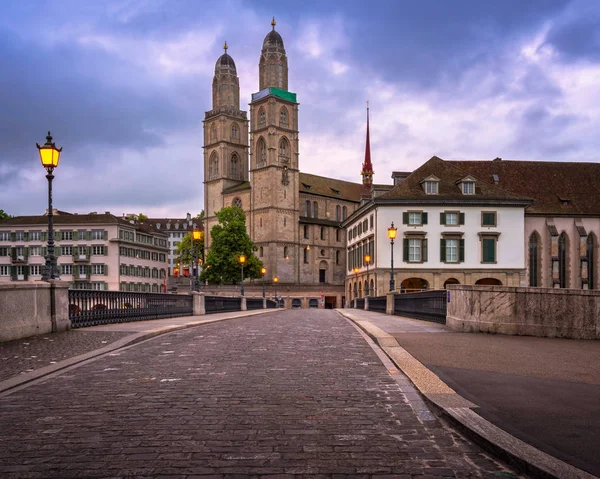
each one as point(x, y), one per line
point(322, 232)
point(337, 256)
point(562, 259)
point(315, 210)
point(236, 202)
point(306, 250)
point(261, 222)
point(213, 132)
point(305, 231)
point(283, 117)
point(213, 166)
point(338, 213)
point(284, 221)
point(590, 253)
point(235, 166)
point(307, 209)
point(262, 117)
point(284, 151)
point(344, 213)
point(261, 251)
point(534, 263)
point(235, 132)
point(285, 252)
point(261, 153)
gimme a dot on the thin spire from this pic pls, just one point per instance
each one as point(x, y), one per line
point(273, 23)
point(367, 168)
point(225, 47)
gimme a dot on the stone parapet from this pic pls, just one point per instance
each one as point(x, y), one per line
point(544, 312)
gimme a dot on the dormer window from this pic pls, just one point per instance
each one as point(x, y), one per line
point(468, 187)
point(431, 185)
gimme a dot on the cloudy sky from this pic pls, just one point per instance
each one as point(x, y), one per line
point(123, 86)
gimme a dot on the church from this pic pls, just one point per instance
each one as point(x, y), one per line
point(252, 160)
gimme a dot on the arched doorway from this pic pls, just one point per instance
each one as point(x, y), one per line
point(488, 282)
point(451, 281)
point(322, 271)
point(372, 291)
point(411, 285)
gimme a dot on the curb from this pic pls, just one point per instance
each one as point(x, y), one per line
point(134, 338)
point(459, 411)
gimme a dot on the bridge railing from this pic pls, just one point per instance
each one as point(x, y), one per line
point(222, 304)
point(427, 305)
point(378, 303)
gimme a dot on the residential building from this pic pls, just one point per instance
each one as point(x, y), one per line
point(93, 251)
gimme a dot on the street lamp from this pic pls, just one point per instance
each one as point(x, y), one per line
point(196, 236)
point(275, 281)
point(392, 231)
point(367, 260)
point(263, 271)
point(356, 284)
point(49, 156)
point(242, 260)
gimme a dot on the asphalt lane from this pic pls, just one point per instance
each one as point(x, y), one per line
point(290, 394)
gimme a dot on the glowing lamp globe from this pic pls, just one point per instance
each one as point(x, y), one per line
point(49, 154)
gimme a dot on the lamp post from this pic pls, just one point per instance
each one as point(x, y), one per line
point(275, 281)
point(263, 271)
point(356, 283)
point(242, 260)
point(392, 231)
point(196, 236)
point(367, 260)
point(49, 156)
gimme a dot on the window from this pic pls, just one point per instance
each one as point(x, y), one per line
point(322, 232)
point(283, 117)
point(452, 218)
point(415, 250)
point(344, 213)
point(590, 255)
point(562, 259)
point(235, 132)
point(338, 254)
point(338, 235)
point(261, 153)
point(20, 236)
point(35, 235)
point(468, 187)
point(82, 270)
point(359, 229)
point(306, 255)
point(262, 117)
point(234, 166)
point(305, 231)
point(415, 218)
point(213, 169)
point(96, 235)
point(534, 279)
point(213, 132)
point(67, 235)
point(4, 251)
point(452, 250)
point(371, 222)
point(488, 249)
point(338, 213)
point(4, 236)
point(66, 250)
point(488, 218)
point(285, 252)
point(431, 187)
point(34, 251)
point(35, 270)
point(4, 270)
point(67, 269)
point(315, 210)
point(97, 250)
point(284, 151)
point(237, 202)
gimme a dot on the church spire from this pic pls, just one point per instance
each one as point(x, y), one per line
point(367, 167)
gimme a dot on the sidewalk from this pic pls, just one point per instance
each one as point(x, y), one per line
point(24, 360)
point(543, 391)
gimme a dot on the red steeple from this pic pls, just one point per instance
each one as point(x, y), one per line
point(367, 167)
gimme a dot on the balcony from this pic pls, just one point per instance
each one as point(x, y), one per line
point(19, 259)
point(80, 277)
point(81, 258)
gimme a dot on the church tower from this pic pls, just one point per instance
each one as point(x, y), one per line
point(367, 167)
point(225, 141)
point(274, 168)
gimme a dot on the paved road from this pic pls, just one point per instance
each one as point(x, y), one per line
point(289, 394)
point(545, 391)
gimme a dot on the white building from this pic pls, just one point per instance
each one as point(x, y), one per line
point(93, 251)
point(451, 228)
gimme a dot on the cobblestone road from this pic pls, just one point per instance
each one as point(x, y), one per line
point(291, 394)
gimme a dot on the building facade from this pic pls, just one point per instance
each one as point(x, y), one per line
point(93, 251)
point(252, 161)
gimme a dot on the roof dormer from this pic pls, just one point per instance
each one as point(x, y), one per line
point(431, 185)
point(467, 185)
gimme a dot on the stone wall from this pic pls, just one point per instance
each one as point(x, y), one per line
point(544, 312)
point(29, 308)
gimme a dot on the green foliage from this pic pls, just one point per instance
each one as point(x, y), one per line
point(187, 249)
point(229, 240)
point(142, 217)
point(4, 215)
point(200, 216)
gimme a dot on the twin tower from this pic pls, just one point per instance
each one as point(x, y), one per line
point(255, 168)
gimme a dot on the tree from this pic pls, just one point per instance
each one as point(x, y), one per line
point(229, 240)
point(200, 216)
point(4, 215)
point(142, 217)
point(187, 249)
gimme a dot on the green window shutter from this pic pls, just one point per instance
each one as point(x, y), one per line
point(105, 250)
point(44, 236)
point(75, 235)
point(105, 235)
point(88, 235)
point(461, 219)
point(105, 286)
point(461, 250)
point(405, 249)
point(13, 237)
point(488, 250)
point(105, 270)
point(13, 253)
point(424, 218)
point(442, 250)
point(75, 251)
point(88, 251)
point(13, 273)
point(424, 250)
point(26, 252)
point(26, 236)
point(44, 250)
point(25, 272)
point(442, 218)
point(58, 235)
point(405, 218)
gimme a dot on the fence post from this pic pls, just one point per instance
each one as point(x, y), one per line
point(366, 303)
point(199, 306)
point(390, 303)
point(264, 303)
point(244, 307)
point(59, 306)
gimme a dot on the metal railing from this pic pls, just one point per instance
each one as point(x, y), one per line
point(378, 303)
point(221, 304)
point(360, 303)
point(428, 305)
point(254, 303)
point(271, 304)
point(92, 308)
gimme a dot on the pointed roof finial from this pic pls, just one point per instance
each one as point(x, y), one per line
point(225, 47)
point(367, 169)
point(273, 23)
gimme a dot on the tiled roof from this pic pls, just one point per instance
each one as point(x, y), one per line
point(322, 186)
point(558, 188)
point(241, 187)
point(449, 174)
